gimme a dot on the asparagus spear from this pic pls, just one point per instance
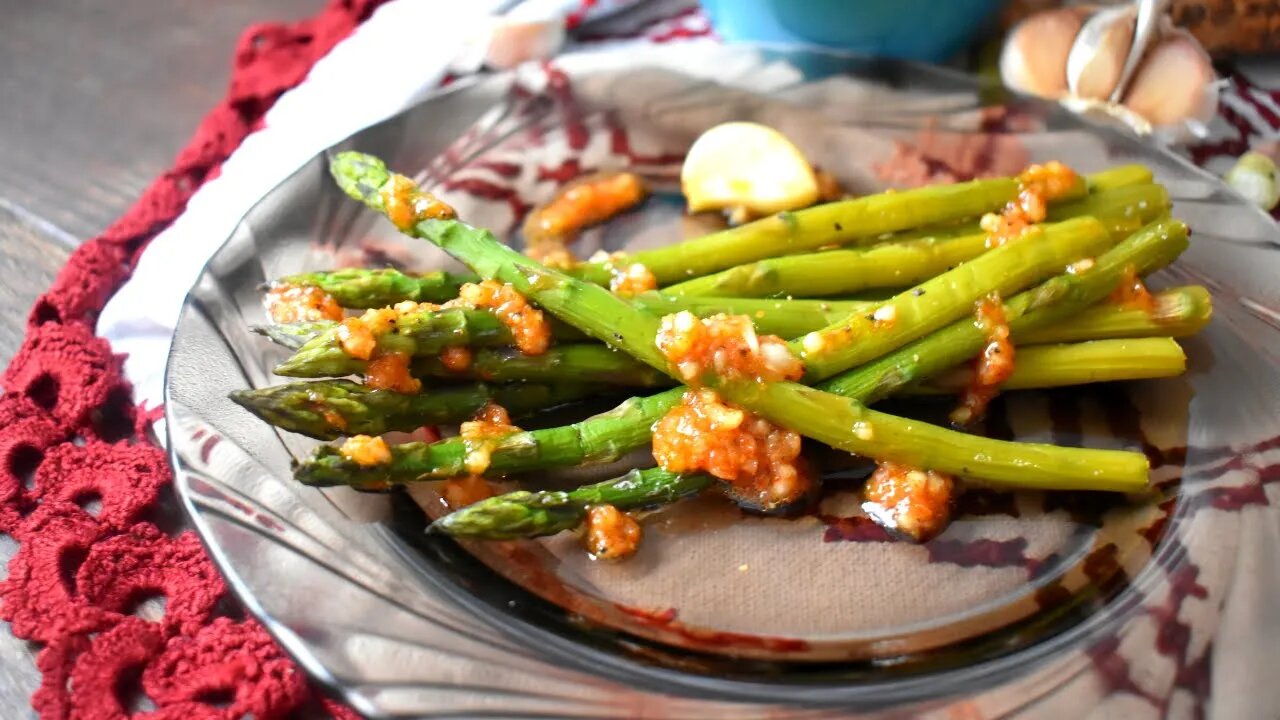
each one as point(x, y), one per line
point(608, 436)
point(785, 318)
point(837, 272)
point(1119, 176)
point(373, 288)
point(563, 363)
point(524, 514)
point(1179, 312)
point(481, 328)
point(1044, 366)
point(580, 363)
point(294, 335)
point(1153, 247)
point(895, 264)
point(866, 218)
point(415, 333)
point(813, 413)
point(602, 438)
point(365, 288)
point(947, 297)
point(328, 409)
point(530, 514)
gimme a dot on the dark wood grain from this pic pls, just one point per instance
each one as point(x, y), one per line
point(95, 100)
point(29, 258)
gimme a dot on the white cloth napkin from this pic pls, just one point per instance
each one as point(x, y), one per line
point(337, 98)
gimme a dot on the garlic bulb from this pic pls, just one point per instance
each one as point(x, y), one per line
point(1036, 51)
point(1099, 52)
point(1125, 64)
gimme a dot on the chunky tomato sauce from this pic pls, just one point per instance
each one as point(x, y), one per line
point(529, 327)
point(464, 491)
point(488, 424)
point(909, 500)
point(293, 303)
point(759, 459)
point(726, 345)
point(366, 450)
point(1038, 185)
point(406, 205)
point(610, 534)
point(390, 371)
point(1131, 293)
point(992, 367)
point(589, 200)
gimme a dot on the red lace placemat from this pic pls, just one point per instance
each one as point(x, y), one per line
point(83, 491)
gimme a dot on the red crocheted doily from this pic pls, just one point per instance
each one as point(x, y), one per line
point(78, 478)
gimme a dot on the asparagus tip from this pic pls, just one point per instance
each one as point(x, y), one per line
point(359, 175)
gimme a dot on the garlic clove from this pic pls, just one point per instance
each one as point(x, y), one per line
point(1175, 86)
point(514, 41)
point(1034, 57)
point(1097, 57)
point(1254, 176)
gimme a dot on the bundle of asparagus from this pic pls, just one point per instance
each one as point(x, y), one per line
point(1073, 306)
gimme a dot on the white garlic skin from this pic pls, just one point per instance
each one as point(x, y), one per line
point(516, 41)
point(1098, 54)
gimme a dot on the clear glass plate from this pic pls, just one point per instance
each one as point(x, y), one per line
point(1026, 603)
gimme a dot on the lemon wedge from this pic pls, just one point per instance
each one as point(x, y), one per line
point(746, 167)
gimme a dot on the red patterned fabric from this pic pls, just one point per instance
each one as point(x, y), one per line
point(77, 478)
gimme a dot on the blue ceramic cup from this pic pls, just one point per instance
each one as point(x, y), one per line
point(931, 30)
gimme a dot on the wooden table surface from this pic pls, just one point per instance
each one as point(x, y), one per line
point(95, 100)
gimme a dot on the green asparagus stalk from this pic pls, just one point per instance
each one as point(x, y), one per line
point(375, 288)
point(414, 334)
point(1119, 176)
point(1143, 202)
point(602, 438)
point(1046, 366)
point(1051, 302)
point(426, 332)
point(839, 422)
point(329, 409)
point(562, 363)
point(784, 318)
point(523, 514)
point(895, 264)
point(842, 222)
point(838, 272)
point(1148, 250)
point(948, 297)
point(608, 436)
point(1179, 312)
point(580, 363)
point(294, 335)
